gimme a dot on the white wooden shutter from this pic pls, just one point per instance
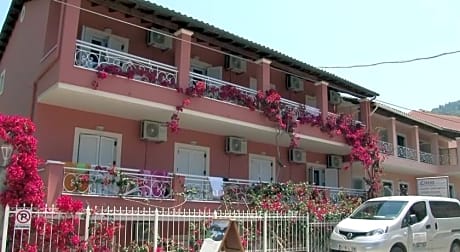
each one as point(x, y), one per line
point(261, 169)
point(331, 177)
point(88, 149)
point(197, 162)
point(215, 72)
point(118, 44)
point(252, 83)
point(107, 151)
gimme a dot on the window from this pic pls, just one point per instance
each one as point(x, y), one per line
point(2, 81)
point(97, 147)
point(419, 210)
point(316, 176)
point(452, 193)
point(358, 183)
point(261, 168)
point(403, 188)
point(383, 135)
point(445, 209)
point(387, 188)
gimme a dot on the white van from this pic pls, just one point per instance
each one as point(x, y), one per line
point(400, 224)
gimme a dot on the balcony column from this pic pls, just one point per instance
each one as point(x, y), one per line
point(416, 142)
point(392, 136)
point(263, 74)
point(68, 35)
point(182, 52)
point(322, 101)
point(435, 148)
point(365, 113)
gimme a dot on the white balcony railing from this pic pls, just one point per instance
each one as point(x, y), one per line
point(203, 188)
point(214, 86)
point(405, 152)
point(90, 56)
point(426, 157)
point(102, 181)
point(385, 147)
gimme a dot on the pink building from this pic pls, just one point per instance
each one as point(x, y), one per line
point(50, 54)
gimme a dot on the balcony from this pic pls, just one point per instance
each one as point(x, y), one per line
point(426, 157)
point(385, 147)
point(408, 153)
point(133, 184)
point(94, 57)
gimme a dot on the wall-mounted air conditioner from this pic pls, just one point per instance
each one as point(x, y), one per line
point(334, 97)
point(334, 161)
point(156, 39)
point(235, 64)
point(294, 83)
point(297, 156)
point(153, 131)
point(236, 145)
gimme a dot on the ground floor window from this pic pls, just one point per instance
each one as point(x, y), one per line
point(97, 147)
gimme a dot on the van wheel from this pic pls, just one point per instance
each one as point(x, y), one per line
point(398, 248)
point(455, 247)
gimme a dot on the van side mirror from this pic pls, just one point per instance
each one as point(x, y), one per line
point(412, 219)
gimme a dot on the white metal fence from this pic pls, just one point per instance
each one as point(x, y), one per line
point(158, 230)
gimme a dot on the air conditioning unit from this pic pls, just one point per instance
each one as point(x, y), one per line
point(334, 161)
point(153, 131)
point(297, 156)
point(334, 97)
point(158, 40)
point(294, 83)
point(236, 145)
point(235, 64)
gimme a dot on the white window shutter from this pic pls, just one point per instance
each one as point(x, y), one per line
point(331, 177)
point(215, 72)
point(107, 151)
point(252, 83)
point(118, 44)
point(88, 149)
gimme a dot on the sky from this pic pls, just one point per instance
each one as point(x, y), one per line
point(342, 33)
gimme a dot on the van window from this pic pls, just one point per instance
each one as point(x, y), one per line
point(445, 209)
point(419, 209)
point(379, 210)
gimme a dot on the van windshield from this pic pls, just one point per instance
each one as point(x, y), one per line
point(379, 210)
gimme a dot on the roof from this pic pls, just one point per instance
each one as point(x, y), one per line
point(412, 198)
point(209, 30)
point(409, 118)
point(449, 122)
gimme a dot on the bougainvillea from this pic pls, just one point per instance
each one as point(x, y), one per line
point(364, 146)
point(22, 185)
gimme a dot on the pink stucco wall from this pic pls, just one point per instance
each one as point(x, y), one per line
point(22, 61)
point(56, 127)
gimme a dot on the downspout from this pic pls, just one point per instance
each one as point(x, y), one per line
point(57, 47)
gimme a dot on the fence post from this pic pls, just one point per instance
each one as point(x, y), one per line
point(308, 232)
point(155, 230)
point(87, 222)
point(265, 233)
point(6, 218)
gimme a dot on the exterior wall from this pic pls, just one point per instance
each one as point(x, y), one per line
point(22, 61)
point(136, 36)
point(56, 127)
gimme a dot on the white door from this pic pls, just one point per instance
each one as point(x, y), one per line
point(331, 177)
point(261, 169)
point(97, 150)
point(193, 162)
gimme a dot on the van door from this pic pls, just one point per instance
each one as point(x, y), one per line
point(447, 223)
point(419, 232)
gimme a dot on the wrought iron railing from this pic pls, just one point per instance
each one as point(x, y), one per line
point(405, 152)
point(90, 56)
point(103, 181)
point(426, 157)
point(386, 147)
point(203, 188)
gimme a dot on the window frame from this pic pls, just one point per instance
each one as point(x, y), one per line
point(2, 81)
point(205, 149)
point(76, 141)
point(264, 157)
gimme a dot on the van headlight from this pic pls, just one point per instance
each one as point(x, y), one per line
point(378, 231)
